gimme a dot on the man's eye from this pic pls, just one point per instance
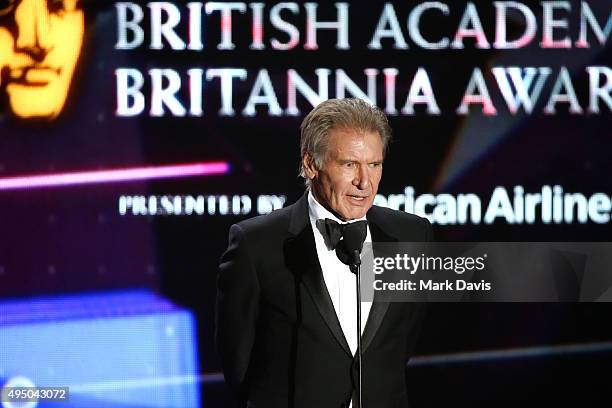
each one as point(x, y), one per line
point(56, 6)
point(374, 165)
point(6, 6)
point(349, 164)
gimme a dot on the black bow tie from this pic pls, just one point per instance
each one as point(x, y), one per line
point(333, 231)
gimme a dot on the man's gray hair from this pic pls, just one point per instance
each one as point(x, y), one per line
point(339, 114)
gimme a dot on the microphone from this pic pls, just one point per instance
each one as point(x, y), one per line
point(349, 248)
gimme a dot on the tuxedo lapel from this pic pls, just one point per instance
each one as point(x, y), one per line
point(379, 308)
point(303, 261)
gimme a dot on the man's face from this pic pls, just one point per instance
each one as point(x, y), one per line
point(40, 43)
point(348, 179)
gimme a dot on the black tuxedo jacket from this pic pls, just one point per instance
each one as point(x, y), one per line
point(280, 340)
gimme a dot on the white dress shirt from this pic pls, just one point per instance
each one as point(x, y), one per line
point(340, 281)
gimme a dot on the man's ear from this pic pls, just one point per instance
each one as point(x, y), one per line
point(309, 166)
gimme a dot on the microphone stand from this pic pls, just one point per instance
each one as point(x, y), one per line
point(356, 269)
point(349, 252)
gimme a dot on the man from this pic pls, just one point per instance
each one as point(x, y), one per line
point(286, 307)
point(40, 44)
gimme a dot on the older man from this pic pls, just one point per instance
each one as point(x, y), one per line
point(286, 307)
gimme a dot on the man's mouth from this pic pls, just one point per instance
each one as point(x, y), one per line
point(34, 75)
point(357, 198)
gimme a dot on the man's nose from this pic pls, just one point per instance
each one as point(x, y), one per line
point(362, 178)
point(33, 28)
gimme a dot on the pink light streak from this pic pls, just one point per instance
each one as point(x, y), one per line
point(114, 176)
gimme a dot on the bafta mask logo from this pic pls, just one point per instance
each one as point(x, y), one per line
point(40, 44)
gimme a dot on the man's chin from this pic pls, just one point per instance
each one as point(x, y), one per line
point(355, 214)
point(29, 102)
point(31, 112)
